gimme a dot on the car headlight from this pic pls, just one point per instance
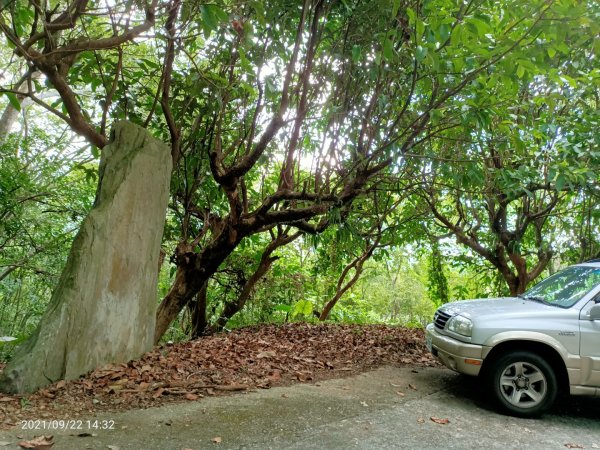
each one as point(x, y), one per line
point(460, 325)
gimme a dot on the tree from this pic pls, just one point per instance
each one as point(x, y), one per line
point(509, 174)
point(344, 108)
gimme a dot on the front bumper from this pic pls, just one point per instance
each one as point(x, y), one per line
point(456, 355)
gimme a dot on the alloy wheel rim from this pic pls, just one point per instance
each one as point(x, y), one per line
point(523, 384)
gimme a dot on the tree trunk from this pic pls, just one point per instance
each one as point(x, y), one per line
point(103, 308)
point(198, 313)
point(181, 292)
point(193, 271)
point(330, 304)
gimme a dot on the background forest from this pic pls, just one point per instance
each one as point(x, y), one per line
point(374, 159)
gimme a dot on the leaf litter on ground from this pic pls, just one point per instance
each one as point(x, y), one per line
point(260, 356)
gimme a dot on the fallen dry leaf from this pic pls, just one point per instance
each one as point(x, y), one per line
point(303, 376)
point(440, 421)
point(218, 364)
point(420, 420)
point(401, 394)
point(38, 443)
point(412, 386)
point(113, 447)
point(217, 439)
point(190, 396)
point(275, 375)
point(574, 445)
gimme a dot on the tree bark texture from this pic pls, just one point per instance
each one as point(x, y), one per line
point(198, 313)
point(193, 272)
point(103, 308)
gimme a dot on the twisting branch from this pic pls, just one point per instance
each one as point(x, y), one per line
point(173, 10)
point(55, 61)
point(227, 176)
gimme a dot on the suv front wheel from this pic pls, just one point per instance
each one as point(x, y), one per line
point(523, 383)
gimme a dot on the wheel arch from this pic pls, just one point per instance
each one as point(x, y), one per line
point(549, 353)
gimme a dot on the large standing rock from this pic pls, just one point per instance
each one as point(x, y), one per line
point(103, 309)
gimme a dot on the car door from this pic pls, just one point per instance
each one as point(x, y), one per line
point(590, 345)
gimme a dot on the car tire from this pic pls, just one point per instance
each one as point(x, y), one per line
point(522, 383)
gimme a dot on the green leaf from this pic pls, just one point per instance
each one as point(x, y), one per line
point(221, 15)
point(421, 53)
point(395, 8)
point(456, 36)
point(560, 182)
point(14, 101)
point(260, 11)
point(563, 48)
point(356, 53)
point(152, 64)
point(303, 307)
point(388, 49)
point(420, 28)
point(482, 27)
point(212, 15)
point(444, 32)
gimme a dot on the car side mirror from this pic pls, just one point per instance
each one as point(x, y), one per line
point(595, 312)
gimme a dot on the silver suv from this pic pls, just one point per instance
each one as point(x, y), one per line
point(527, 348)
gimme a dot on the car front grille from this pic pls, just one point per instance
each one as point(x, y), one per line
point(440, 318)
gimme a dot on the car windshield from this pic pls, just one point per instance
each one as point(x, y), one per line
point(565, 288)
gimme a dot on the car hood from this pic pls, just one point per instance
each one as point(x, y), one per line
point(504, 306)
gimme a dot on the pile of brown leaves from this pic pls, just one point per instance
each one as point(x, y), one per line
point(248, 358)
